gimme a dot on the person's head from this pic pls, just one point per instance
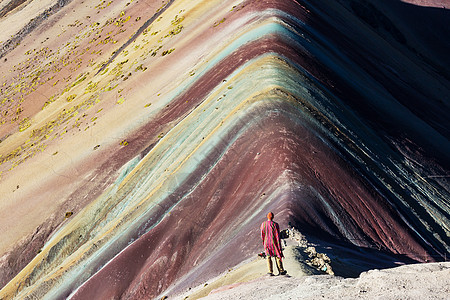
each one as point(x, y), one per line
point(270, 216)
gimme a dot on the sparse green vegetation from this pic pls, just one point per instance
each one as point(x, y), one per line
point(166, 52)
point(71, 97)
point(217, 23)
point(57, 71)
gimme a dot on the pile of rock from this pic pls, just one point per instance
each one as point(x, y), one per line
point(317, 260)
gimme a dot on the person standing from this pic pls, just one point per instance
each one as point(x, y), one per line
point(270, 234)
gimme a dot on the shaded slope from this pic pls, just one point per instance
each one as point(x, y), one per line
point(267, 106)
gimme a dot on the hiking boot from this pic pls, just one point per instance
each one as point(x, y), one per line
point(270, 274)
point(283, 273)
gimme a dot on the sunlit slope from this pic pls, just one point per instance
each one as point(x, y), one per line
point(143, 143)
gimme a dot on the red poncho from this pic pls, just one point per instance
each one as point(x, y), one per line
point(270, 234)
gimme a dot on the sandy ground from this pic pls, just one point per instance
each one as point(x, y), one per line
point(252, 270)
point(420, 281)
point(23, 15)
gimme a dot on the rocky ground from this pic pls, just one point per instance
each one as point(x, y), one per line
point(421, 281)
point(310, 276)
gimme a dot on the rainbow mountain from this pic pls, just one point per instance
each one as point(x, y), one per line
point(142, 143)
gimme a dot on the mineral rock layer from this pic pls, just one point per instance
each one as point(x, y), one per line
point(142, 143)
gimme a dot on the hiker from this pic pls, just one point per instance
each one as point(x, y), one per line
point(270, 234)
